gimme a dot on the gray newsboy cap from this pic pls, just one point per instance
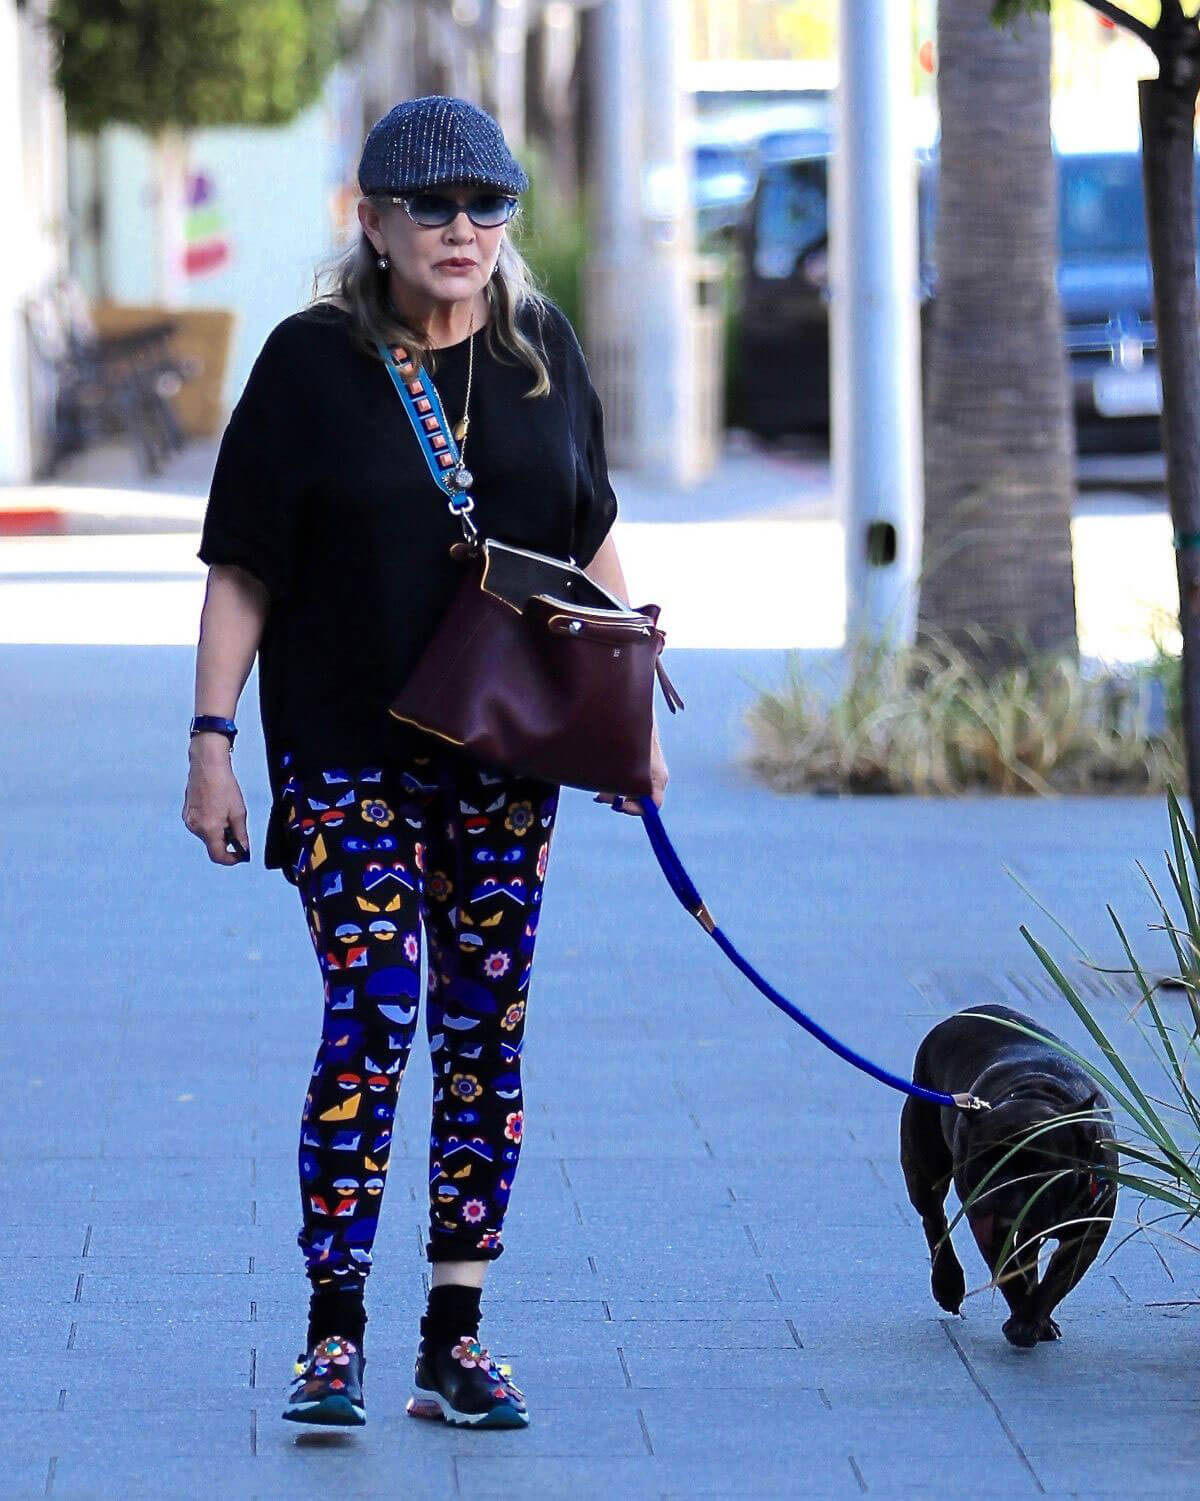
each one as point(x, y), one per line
point(423, 143)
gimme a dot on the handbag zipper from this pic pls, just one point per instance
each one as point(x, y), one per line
point(595, 613)
point(574, 625)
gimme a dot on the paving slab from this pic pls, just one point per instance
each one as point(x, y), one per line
point(713, 1283)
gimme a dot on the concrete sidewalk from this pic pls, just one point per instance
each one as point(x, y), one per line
point(102, 490)
point(751, 558)
point(713, 1284)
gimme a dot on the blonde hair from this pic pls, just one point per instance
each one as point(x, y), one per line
point(353, 277)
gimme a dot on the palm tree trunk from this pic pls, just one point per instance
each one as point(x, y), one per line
point(999, 451)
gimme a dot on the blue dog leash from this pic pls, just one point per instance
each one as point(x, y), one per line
point(681, 884)
point(434, 433)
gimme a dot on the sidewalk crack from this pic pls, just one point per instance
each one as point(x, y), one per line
point(993, 1404)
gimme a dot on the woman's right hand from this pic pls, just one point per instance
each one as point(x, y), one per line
point(213, 800)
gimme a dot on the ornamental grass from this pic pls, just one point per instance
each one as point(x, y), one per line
point(928, 720)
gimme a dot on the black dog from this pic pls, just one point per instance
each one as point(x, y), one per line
point(1028, 1084)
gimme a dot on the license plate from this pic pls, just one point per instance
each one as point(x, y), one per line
point(1127, 393)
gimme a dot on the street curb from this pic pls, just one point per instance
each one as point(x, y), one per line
point(50, 522)
point(64, 510)
point(28, 522)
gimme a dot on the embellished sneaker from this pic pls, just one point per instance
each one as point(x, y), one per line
point(328, 1385)
point(461, 1383)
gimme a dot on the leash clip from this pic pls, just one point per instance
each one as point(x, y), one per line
point(704, 917)
point(970, 1102)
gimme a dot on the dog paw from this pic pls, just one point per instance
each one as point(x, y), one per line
point(949, 1285)
point(1022, 1333)
point(1049, 1330)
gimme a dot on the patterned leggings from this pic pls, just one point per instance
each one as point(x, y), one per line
point(461, 849)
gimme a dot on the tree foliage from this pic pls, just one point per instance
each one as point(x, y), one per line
point(1171, 15)
point(155, 64)
point(1005, 12)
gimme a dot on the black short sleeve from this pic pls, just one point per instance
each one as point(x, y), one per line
point(595, 504)
point(253, 513)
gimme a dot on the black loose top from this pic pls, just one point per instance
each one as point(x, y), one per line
point(321, 490)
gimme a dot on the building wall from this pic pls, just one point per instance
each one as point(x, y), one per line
point(32, 247)
point(276, 196)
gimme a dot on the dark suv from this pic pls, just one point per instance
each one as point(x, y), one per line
point(782, 341)
point(1103, 279)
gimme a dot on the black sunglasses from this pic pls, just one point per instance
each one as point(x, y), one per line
point(435, 210)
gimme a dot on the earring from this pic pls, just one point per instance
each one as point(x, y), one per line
point(382, 262)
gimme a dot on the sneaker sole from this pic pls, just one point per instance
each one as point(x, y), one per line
point(331, 1412)
point(429, 1404)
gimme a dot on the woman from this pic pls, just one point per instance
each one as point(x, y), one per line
point(327, 541)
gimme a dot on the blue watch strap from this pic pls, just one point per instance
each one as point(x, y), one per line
point(215, 722)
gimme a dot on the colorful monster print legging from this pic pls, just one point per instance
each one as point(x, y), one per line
point(460, 849)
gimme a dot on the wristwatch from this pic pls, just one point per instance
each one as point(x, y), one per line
point(226, 727)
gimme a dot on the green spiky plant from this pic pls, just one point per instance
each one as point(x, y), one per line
point(1158, 1125)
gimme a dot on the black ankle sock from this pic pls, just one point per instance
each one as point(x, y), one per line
point(338, 1310)
point(452, 1311)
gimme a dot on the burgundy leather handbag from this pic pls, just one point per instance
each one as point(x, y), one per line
point(534, 667)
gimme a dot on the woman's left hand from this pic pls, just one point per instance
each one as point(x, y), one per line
point(658, 782)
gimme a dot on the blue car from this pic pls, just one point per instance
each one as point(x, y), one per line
point(1103, 280)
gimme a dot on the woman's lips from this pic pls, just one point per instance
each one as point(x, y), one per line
point(453, 265)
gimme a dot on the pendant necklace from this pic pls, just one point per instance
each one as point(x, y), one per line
point(461, 477)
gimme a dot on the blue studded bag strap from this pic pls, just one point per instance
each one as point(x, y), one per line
point(419, 397)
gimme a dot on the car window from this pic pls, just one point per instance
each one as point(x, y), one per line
point(792, 217)
point(724, 174)
point(1100, 206)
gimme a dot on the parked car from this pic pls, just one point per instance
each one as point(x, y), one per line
point(782, 350)
point(727, 152)
point(1103, 279)
point(725, 173)
point(1108, 305)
